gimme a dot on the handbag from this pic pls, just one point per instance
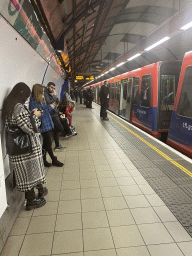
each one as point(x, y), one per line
point(17, 141)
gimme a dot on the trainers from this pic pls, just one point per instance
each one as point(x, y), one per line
point(106, 119)
point(59, 148)
point(74, 133)
point(35, 203)
point(55, 162)
point(68, 136)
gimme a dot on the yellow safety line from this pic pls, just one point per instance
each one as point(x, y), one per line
point(156, 149)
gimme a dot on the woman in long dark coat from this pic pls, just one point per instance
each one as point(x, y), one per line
point(27, 168)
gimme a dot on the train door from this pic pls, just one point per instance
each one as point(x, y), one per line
point(124, 83)
point(118, 93)
point(129, 99)
point(167, 99)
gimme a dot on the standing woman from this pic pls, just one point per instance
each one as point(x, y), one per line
point(38, 101)
point(27, 168)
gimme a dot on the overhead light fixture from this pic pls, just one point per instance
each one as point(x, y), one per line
point(120, 64)
point(106, 72)
point(137, 69)
point(134, 56)
point(111, 69)
point(157, 43)
point(187, 26)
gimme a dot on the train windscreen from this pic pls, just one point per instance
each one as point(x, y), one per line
point(185, 102)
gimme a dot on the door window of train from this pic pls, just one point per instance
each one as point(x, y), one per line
point(185, 102)
point(136, 81)
point(146, 91)
point(167, 90)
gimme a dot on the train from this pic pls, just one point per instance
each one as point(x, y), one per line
point(157, 98)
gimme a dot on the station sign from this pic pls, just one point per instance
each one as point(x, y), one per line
point(84, 77)
point(79, 77)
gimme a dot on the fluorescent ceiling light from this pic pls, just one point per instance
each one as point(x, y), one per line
point(187, 26)
point(120, 64)
point(158, 43)
point(111, 69)
point(135, 56)
point(136, 69)
point(106, 72)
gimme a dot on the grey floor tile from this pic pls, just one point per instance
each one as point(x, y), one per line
point(37, 244)
point(164, 249)
point(137, 201)
point(155, 233)
point(114, 203)
point(49, 209)
point(12, 246)
point(121, 217)
point(20, 226)
point(72, 206)
point(133, 190)
point(95, 220)
point(70, 194)
point(110, 191)
point(133, 251)
point(164, 214)
point(42, 224)
point(97, 239)
point(67, 242)
point(145, 215)
point(101, 253)
point(95, 204)
point(186, 248)
point(68, 222)
point(177, 231)
point(126, 236)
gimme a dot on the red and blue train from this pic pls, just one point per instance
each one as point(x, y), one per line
point(158, 99)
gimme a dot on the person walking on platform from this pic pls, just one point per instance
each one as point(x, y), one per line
point(90, 97)
point(27, 168)
point(104, 97)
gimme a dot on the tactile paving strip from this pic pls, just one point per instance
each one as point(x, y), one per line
point(174, 173)
point(174, 196)
point(161, 183)
point(183, 213)
point(187, 189)
point(142, 163)
point(151, 172)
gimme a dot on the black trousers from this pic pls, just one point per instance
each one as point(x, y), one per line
point(103, 111)
point(30, 195)
point(80, 100)
point(89, 104)
point(47, 144)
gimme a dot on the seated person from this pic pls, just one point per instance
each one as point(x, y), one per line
point(66, 108)
point(60, 123)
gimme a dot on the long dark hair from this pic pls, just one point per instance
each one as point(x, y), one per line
point(18, 94)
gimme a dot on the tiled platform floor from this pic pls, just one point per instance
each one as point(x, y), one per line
point(98, 205)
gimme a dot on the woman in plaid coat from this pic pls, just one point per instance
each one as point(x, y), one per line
point(27, 168)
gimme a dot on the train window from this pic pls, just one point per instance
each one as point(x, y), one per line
point(167, 89)
point(146, 91)
point(185, 102)
point(136, 81)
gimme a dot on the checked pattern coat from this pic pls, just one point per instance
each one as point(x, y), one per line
point(28, 168)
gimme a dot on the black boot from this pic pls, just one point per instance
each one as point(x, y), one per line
point(42, 191)
point(55, 162)
point(32, 202)
point(35, 203)
point(46, 164)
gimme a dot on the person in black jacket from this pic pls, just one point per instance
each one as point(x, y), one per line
point(60, 123)
point(80, 96)
point(104, 96)
point(89, 97)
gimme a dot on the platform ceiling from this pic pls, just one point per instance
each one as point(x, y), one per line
point(99, 32)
